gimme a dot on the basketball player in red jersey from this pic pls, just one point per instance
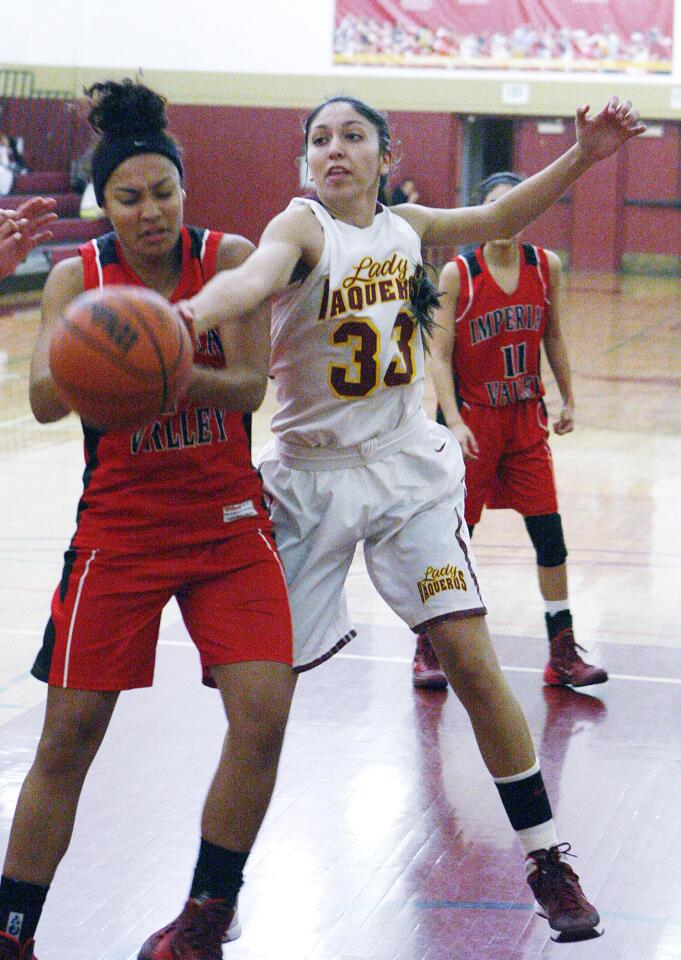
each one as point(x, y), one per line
point(500, 304)
point(174, 509)
point(22, 230)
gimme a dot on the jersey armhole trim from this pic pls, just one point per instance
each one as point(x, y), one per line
point(308, 281)
point(464, 273)
point(544, 272)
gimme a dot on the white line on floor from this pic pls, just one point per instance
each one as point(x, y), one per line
point(675, 681)
point(15, 422)
point(635, 678)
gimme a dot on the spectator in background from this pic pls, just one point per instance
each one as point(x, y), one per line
point(89, 208)
point(16, 147)
point(22, 230)
point(6, 165)
point(405, 192)
point(81, 182)
point(81, 168)
point(11, 163)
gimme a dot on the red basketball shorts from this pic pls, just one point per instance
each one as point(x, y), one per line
point(106, 612)
point(514, 468)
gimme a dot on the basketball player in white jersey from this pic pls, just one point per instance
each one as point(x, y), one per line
point(354, 458)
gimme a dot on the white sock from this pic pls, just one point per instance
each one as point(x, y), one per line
point(553, 607)
point(540, 837)
point(543, 835)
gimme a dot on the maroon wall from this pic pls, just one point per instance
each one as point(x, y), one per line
point(53, 132)
point(426, 147)
point(532, 150)
point(652, 187)
point(241, 170)
point(627, 204)
point(596, 219)
point(241, 161)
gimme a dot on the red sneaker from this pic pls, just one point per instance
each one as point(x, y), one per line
point(197, 934)
point(11, 949)
point(565, 667)
point(426, 671)
point(558, 895)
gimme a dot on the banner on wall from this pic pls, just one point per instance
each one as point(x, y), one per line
point(616, 36)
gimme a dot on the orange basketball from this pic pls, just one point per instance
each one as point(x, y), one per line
point(120, 357)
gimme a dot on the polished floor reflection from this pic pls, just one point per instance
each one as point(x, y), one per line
point(386, 839)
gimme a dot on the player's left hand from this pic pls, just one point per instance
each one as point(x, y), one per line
point(601, 135)
point(566, 421)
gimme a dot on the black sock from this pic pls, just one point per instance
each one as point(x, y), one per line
point(559, 621)
point(219, 873)
point(525, 801)
point(20, 907)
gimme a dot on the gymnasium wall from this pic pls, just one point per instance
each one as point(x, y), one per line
point(624, 208)
point(623, 212)
point(251, 173)
point(244, 73)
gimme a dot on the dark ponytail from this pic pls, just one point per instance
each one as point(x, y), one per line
point(425, 300)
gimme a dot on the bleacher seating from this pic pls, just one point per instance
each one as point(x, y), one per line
point(69, 231)
point(53, 133)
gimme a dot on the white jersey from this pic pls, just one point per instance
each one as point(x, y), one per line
point(347, 354)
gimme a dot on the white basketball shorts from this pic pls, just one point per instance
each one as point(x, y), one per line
point(403, 495)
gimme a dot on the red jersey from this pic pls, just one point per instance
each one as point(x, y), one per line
point(185, 478)
point(498, 335)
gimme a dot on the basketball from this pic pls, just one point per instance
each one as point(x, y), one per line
point(120, 357)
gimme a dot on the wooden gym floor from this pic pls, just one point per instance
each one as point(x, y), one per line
point(386, 839)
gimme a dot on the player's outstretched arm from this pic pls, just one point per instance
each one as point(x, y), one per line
point(64, 283)
point(287, 240)
point(556, 351)
point(22, 230)
point(242, 382)
point(598, 137)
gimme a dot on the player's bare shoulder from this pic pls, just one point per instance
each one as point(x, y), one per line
point(450, 280)
point(299, 226)
point(68, 272)
point(65, 282)
point(415, 215)
point(555, 268)
point(233, 250)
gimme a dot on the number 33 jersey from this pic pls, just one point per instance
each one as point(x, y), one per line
point(347, 355)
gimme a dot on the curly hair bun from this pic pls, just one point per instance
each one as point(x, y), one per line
point(126, 108)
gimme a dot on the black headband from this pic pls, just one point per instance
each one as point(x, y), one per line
point(112, 151)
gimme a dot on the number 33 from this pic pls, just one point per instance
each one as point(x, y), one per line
point(360, 377)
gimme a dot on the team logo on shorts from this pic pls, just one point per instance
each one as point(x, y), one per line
point(438, 579)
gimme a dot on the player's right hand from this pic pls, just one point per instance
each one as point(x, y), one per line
point(566, 421)
point(466, 437)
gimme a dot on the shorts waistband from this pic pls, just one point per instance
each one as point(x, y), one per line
point(338, 458)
